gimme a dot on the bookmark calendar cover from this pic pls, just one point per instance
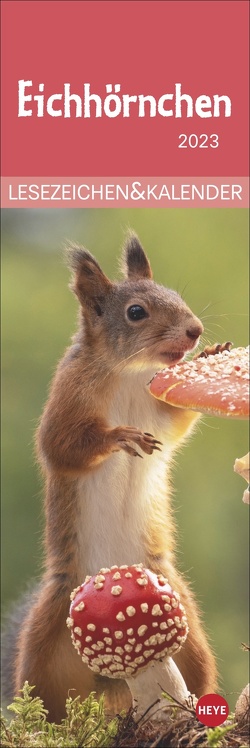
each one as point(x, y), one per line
point(125, 190)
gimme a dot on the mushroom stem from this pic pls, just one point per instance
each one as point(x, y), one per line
point(147, 686)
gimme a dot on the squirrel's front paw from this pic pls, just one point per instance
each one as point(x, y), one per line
point(212, 350)
point(124, 435)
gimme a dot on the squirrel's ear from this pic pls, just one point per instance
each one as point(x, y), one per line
point(88, 281)
point(134, 261)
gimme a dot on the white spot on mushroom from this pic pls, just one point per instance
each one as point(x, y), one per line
point(151, 640)
point(161, 638)
point(167, 607)
point(148, 652)
point(128, 575)
point(166, 598)
point(87, 579)
point(156, 610)
point(106, 659)
point(69, 622)
point(106, 631)
point(124, 566)
point(74, 592)
point(138, 647)
point(177, 621)
point(116, 590)
point(155, 624)
point(80, 606)
point(131, 641)
point(113, 567)
point(144, 607)
point(98, 586)
point(87, 651)
point(128, 670)
point(105, 671)
point(169, 636)
point(130, 632)
point(163, 625)
point(118, 634)
point(88, 639)
point(117, 658)
point(119, 650)
point(117, 575)
point(99, 578)
point(127, 658)
point(107, 640)
point(130, 610)
point(142, 630)
point(95, 668)
point(139, 660)
point(128, 647)
point(162, 579)
point(120, 616)
point(174, 603)
point(104, 570)
point(142, 581)
point(91, 626)
point(170, 622)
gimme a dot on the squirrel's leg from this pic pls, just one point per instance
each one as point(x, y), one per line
point(47, 659)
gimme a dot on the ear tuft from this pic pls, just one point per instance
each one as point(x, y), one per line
point(79, 259)
point(136, 265)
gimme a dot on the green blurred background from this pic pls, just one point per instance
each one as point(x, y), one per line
point(201, 253)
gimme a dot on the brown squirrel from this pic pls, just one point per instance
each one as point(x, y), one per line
point(103, 505)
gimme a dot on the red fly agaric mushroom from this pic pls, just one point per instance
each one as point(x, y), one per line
point(216, 385)
point(126, 622)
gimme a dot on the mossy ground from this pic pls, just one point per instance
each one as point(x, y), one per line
point(86, 726)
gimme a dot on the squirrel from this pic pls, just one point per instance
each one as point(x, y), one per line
point(104, 505)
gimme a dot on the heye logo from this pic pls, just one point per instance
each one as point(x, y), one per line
point(212, 710)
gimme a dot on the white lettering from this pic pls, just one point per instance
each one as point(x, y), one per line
point(203, 102)
point(179, 97)
point(22, 112)
point(91, 97)
point(68, 97)
point(54, 112)
point(112, 98)
point(161, 110)
point(227, 102)
point(152, 103)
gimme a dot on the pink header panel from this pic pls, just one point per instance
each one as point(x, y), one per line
point(123, 88)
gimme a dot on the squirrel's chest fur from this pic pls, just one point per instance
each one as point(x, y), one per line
point(116, 498)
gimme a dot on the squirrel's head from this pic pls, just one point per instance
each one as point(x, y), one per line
point(135, 321)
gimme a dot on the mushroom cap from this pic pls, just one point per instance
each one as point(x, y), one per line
point(217, 385)
point(125, 617)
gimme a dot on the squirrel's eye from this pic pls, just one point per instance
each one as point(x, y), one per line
point(136, 312)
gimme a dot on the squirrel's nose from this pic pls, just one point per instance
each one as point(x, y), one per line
point(194, 331)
